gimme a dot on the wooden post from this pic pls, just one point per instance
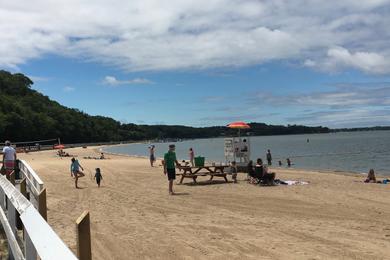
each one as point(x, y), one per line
point(23, 187)
point(11, 177)
point(42, 207)
point(23, 191)
point(83, 237)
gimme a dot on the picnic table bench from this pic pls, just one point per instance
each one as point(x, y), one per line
point(206, 170)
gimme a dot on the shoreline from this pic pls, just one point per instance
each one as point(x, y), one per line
point(325, 219)
point(323, 171)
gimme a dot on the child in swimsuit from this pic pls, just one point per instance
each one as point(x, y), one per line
point(98, 176)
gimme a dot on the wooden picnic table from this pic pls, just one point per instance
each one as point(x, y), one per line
point(206, 170)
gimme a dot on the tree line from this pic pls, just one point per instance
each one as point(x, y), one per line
point(26, 114)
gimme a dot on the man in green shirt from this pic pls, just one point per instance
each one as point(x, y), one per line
point(169, 166)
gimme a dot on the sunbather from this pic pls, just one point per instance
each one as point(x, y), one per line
point(371, 176)
point(61, 153)
point(262, 174)
point(251, 171)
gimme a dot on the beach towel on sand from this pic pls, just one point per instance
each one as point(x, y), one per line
point(282, 182)
point(296, 182)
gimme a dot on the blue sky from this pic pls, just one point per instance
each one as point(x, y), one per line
point(202, 64)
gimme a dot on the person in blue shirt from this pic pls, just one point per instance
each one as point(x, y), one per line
point(75, 171)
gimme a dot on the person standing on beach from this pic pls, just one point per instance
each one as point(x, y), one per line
point(269, 157)
point(169, 166)
point(98, 177)
point(9, 157)
point(191, 154)
point(151, 155)
point(75, 171)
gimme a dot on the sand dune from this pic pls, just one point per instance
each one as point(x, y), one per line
point(133, 217)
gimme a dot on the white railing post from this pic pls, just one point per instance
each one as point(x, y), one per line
point(11, 216)
point(14, 251)
point(40, 239)
point(29, 250)
point(12, 222)
point(34, 184)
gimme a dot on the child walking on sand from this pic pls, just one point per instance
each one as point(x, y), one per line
point(98, 176)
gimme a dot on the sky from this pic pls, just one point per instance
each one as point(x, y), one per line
point(204, 63)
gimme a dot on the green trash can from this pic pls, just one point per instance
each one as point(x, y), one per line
point(199, 161)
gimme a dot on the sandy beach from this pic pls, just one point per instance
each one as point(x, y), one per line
point(336, 216)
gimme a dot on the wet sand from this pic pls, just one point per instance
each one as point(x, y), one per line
point(336, 216)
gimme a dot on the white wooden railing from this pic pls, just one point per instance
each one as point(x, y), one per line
point(34, 183)
point(38, 239)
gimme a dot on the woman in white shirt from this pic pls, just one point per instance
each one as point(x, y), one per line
point(9, 157)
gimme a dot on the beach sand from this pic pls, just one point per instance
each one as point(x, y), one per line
point(132, 216)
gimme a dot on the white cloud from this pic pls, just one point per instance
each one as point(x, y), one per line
point(213, 99)
point(230, 118)
point(186, 34)
point(113, 81)
point(309, 63)
point(348, 105)
point(344, 118)
point(353, 96)
point(68, 89)
point(338, 57)
point(38, 78)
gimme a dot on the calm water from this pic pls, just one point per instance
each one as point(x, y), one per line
point(355, 151)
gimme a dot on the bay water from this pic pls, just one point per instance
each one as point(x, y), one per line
point(343, 151)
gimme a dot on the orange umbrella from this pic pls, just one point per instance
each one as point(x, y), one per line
point(59, 146)
point(238, 125)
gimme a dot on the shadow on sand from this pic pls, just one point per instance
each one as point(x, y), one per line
point(213, 182)
point(181, 194)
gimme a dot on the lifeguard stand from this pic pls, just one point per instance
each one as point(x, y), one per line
point(238, 149)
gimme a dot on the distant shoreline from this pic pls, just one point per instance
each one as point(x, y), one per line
point(118, 143)
point(329, 171)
